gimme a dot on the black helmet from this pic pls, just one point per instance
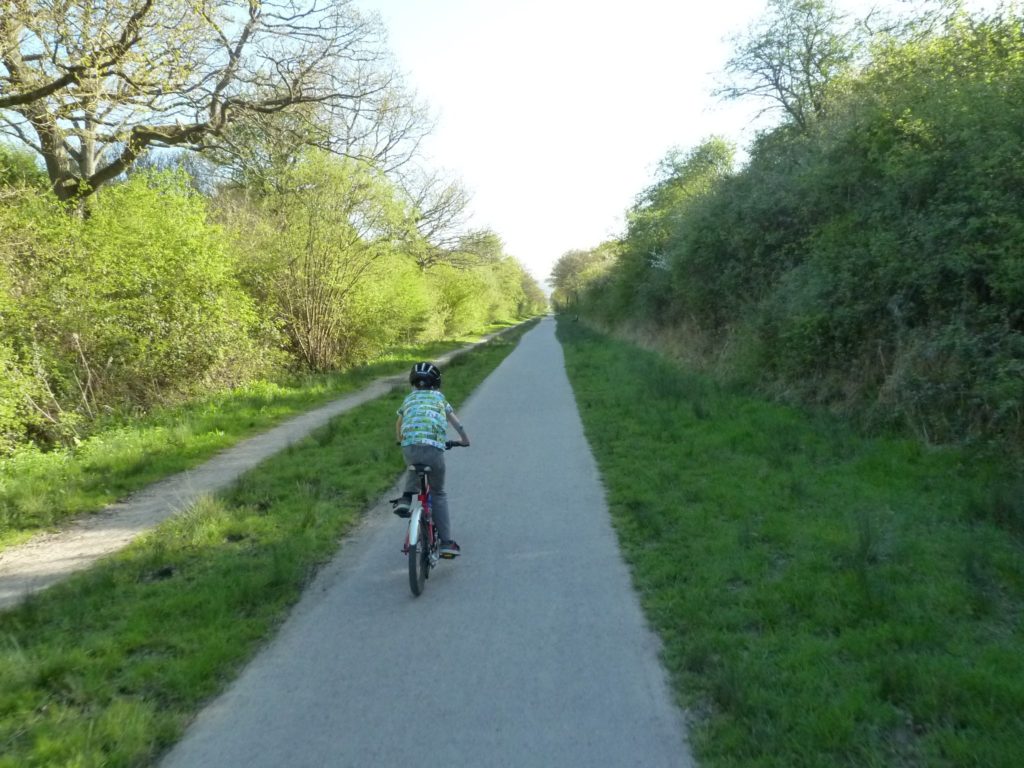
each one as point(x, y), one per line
point(425, 376)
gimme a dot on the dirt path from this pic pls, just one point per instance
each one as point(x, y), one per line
point(46, 559)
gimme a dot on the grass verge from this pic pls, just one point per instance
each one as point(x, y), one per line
point(824, 598)
point(107, 668)
point(40, 489)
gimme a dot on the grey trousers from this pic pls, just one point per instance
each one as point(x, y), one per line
point(427, 454)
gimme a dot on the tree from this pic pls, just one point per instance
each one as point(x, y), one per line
point(91, 86)
point(480, 246)
point(133, 305)
point(534, 301)
point(157, 309)
point(650, 253)
point(682, 178)
point(791, 57)
point(439, 232)
point(257, 150)
point(328, 225)
point(462, 298)
point(575, 270)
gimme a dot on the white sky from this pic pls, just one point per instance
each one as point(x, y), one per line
point(554, 113)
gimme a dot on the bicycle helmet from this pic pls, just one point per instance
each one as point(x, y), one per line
point(425, 376)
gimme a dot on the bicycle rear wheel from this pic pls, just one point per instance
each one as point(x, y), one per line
point(419, 562)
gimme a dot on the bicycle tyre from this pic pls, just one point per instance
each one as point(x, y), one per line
point(419, 562)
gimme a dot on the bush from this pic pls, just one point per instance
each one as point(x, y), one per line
point(461, 298)
point(19, 167)
point(158, 309)
point(873, 255)
point(131, 304)
point(390, 305)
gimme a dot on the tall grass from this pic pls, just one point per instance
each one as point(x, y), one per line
point(825, 597)
point(107, 668)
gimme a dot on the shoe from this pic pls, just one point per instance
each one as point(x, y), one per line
point(449, 550)
point(401, 506)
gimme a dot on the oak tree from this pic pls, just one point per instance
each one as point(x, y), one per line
point(92, 85)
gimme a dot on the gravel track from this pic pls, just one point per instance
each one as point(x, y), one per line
point(49, 557)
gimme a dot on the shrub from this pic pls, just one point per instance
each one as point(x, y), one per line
point(130, 304)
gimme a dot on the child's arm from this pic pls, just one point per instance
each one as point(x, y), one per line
point(398, 429)
point(453, 419)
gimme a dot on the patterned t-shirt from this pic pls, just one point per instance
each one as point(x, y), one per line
point(424, 415)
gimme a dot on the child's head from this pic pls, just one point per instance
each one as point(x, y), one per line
point(425, 376)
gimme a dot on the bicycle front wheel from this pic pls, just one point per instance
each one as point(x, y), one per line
point(419, 562)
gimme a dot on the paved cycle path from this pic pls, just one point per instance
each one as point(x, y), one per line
point(529, 650)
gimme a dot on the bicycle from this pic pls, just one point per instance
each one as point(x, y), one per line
point(422, 541)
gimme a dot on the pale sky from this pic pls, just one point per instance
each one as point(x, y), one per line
point(554, 113)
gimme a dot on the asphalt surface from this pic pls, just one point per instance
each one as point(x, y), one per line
point(529, 650)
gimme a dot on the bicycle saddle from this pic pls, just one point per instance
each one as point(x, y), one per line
point(420, 469)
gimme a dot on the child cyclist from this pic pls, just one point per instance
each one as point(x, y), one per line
point(420, 430)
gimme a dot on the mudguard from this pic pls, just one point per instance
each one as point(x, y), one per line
point(415, 513)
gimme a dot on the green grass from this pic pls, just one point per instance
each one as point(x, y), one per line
point(825, 598)
point(41, 489)
point(107, 668)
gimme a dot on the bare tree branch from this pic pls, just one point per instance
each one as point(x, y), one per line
point(100, 84)
point(790, 58)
